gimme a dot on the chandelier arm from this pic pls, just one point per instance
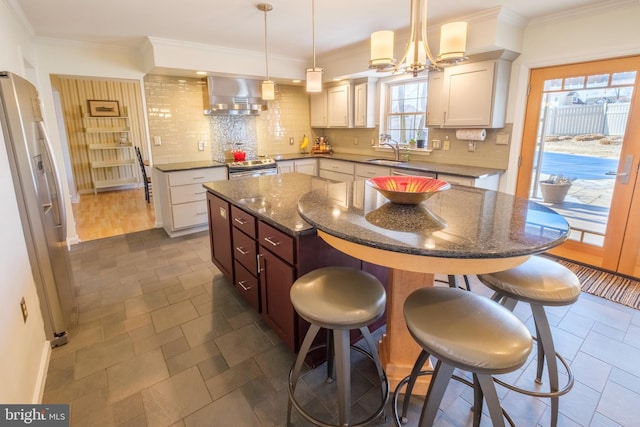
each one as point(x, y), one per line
point(425, 41)
point(414, 16)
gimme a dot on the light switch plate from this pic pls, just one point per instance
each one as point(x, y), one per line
point(436, 144)
point(200, 145)
point(157, 140)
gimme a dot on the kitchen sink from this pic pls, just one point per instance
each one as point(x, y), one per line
point(387, 162)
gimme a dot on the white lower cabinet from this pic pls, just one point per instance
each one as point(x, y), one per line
point(306, 166)
point(489, 182)
point(336, 170)
point(183, 199)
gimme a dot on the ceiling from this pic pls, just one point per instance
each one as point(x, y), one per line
point(239, 24)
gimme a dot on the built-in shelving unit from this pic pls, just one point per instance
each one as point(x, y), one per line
point(112, 158)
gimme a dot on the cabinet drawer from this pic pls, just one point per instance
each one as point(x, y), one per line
point(371, 171)
point(243, 221)
point(187, 193)
point(189, 214)
point(247, 284)
point(197, 176)
point(244, 250)
point(453, 179)
point(276, 241)
point(336, 176)
point(337, 166)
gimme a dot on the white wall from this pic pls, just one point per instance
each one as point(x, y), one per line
point(24, 353)
point(589, 34)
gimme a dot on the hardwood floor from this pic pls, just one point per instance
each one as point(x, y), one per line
point(112, 213)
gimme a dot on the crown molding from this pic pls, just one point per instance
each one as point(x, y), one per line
point(17, 11)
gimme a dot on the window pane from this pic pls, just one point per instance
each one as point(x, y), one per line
point(626, 78)
point(555, 84)
point(406, 109)
point(574, 83)
point(599, 80)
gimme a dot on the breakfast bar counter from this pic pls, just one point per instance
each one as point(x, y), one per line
point(462, 230)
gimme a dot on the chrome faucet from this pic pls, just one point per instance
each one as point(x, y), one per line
point(385, 138)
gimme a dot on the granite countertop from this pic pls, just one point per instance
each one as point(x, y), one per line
point(272, 198)
point(457, 170)
point(462, 222)
point(182, 166)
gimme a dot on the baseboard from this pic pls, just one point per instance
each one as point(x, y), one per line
point(41, 379)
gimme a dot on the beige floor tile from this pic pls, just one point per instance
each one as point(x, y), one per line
point(232, 410)
point(174, 398)
point(135, 374)
point(103, 355)
point(173, 315)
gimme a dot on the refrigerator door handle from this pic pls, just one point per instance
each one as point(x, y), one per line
point(61, 222)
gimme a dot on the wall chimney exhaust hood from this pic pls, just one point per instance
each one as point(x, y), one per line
point(234, 96)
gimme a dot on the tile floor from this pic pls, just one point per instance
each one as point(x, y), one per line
point(163, 340)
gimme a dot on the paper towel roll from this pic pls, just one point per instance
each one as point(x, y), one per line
point(471, 134)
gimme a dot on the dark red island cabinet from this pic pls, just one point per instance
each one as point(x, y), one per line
point(266, 261)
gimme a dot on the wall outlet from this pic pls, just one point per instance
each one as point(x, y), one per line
point(200, 145)
point(355, 141)
point(502, 139)
point(157, 140)
point(291, 141)
point(471, 146)
point(446, 145)
point(23, 307)
point(436, 144)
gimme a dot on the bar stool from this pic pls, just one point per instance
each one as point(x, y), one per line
point(465, 331)
point(539, 282)
point(339, 299)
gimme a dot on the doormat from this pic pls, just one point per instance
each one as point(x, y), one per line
point(604, 284)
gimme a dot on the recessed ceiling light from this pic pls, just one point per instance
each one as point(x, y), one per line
point(201, 73)
point(296, 81)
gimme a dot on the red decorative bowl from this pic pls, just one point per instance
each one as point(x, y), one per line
point(407, 190)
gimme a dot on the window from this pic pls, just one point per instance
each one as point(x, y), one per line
point(406, 109)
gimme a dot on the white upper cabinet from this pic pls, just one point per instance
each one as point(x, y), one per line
point(435, 98)
point(318, 109)
point(469, 95)
point(344, 105)
point(364, 98)
point(339, 106)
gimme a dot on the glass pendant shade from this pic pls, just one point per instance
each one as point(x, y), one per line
point(422, 54)
point(314, 79)
point(453, 42)
point(268, 90)
point(382, 49)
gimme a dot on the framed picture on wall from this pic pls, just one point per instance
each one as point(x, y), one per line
point(103, 108)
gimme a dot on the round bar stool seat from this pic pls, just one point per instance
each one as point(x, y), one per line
point(465, 331)
point(539, 282)
point(339, 299)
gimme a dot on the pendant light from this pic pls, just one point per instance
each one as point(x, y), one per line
point(314, 75)
point(268, 86)
point(453, 39)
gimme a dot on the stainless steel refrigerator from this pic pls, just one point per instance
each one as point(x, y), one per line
point(37, 185)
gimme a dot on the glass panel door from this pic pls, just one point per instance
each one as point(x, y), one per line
point(580, 155)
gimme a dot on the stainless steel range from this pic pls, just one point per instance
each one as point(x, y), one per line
point(248, 168)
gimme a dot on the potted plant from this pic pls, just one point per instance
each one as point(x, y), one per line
point(420, 138)
point(555, 188)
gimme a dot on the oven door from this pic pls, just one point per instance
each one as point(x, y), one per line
point(252, 172)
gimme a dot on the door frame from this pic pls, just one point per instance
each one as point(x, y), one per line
point(622, 203)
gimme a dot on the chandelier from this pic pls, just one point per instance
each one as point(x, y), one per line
point(268, 86)
point(453, 40)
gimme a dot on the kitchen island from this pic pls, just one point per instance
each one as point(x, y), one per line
point(462, 230)
point(262, 245)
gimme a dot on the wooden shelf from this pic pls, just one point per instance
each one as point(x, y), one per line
point(112, 163)
point(108, 130)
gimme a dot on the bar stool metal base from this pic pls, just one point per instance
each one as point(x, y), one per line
point(343, 376)
point(410, 380)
